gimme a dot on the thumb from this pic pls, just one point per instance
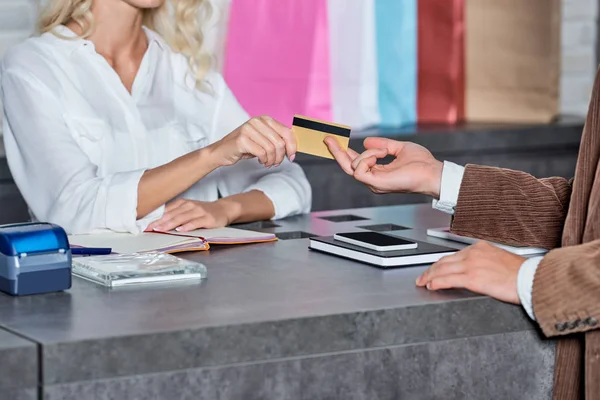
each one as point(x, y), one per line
point(393, 147)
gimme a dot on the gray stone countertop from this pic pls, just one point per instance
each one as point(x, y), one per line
point(18, 365)
point(260, 302)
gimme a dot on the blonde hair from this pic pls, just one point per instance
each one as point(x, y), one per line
point(177, 21)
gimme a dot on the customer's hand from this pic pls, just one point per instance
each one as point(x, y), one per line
point(481, 268)
point(414, 169)
point(260, 137)
point(187, 215)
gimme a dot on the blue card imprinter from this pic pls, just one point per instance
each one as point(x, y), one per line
point(34, 258)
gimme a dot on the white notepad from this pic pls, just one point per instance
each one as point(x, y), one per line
point(444, 233)
point(170, 242)
point(228, 235)
point(126, 243)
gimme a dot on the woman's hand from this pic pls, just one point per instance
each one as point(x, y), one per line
point(260, 137)
point(188, 215)
point(414, 169)
point(481, 268)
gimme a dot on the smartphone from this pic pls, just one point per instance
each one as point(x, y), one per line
point(375, 241)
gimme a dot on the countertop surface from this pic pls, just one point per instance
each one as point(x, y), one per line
point(259, 302)
point(18, 365)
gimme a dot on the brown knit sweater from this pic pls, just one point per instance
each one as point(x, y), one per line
point(563, 216)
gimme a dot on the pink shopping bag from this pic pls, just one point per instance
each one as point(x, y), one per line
point(277, 58)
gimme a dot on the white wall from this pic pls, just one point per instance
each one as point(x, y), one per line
point(578, 54)
point(17, 19)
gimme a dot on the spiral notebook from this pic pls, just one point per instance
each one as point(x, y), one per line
point(170, 242)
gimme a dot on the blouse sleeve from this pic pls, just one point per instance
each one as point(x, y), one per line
point(54, 175)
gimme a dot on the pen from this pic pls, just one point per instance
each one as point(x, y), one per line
point(90, 251)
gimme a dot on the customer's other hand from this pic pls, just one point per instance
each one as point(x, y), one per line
point(481, 268)
point(413, 170)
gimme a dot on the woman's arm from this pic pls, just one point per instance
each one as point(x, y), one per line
point(61, 185)
point(284, 189)
point(161, 184)
point(249, 191)
point(511, 207)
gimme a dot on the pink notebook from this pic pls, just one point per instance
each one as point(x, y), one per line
point(170, 242)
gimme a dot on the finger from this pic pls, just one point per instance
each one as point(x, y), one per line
point(276, 140)
point(181, 219)
point(378, 153)
point(363, 173)
point(251, 147)
point(163, 223)
point(453, 281)
point(343, 158)
point(458, 256)
point(393, 147)
point(206, 221)
point(353, 154)
point(152, 226)
point(286, 133)
point(174, 204)
point(185, 206)
point(259, 138)
point(440, 270)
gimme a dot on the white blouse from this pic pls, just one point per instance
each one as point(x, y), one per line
point(77, 142)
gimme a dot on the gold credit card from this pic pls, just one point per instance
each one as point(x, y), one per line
point(311, 133)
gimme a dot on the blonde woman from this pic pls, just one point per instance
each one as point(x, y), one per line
point(114, 112)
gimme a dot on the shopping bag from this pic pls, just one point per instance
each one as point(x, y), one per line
point(353, 63)
point(277, 58)
point(441, 70)
point(396, 37)
point(512, 60)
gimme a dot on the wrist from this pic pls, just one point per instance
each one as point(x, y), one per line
point(525, 277)
point(232, 209)
point(434, 182)
point(209, 157)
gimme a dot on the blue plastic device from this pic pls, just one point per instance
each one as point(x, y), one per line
point(34, 258)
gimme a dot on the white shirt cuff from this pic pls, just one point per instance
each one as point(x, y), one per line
point(452, 176)
point(285, 193)
point(525, 283)
point(121, 204)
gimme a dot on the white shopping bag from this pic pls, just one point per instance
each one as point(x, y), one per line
point(353, 50)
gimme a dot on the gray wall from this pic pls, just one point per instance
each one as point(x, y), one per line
point(541, 151)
